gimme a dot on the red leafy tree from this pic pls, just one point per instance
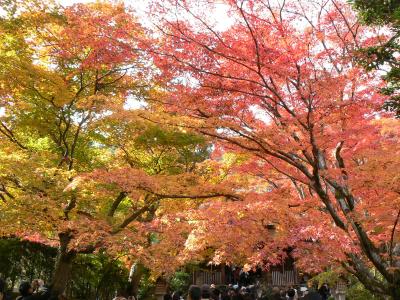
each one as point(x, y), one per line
point(280, 84)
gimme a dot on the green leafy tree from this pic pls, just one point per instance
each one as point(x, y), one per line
point(384, 55)
point(180, 281)
point(96, 276)
point(25, 260)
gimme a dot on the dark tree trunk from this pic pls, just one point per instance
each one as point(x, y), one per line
point(63, 266)
point(395, 288)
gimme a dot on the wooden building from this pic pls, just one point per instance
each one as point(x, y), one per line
point(215, 275)
point(283, 275)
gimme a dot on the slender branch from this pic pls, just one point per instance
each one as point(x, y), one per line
point(116, 203)
point(10, 135)
point(133, 216)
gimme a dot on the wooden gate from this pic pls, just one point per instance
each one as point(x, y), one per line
point(283, 278)
point(207, 277)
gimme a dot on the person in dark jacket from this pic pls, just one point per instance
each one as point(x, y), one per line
point(282, 295)
point(167, 296)
point(26, 292)
point(312, 295)
point(176, 295)
point(2, 289)
point(3, 293)
point(205, 291)
point(324, 291)
point(215, 293)
point(291, 294)
point(194, 292)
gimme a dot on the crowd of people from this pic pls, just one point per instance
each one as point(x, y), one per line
point(35, 290)
point(304, 293)
point(252, 292)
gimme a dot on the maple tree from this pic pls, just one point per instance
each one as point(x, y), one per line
point(57, 82)
point(280, 84)
point(78, 169)
point(296, 128)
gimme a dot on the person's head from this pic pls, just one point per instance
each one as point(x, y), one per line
point(205, 291)
point(194, 292)
point(25, 288)
point(275, 290)
point(304, 290)
point(291, 293)
point(35, 284)
point(242, 290)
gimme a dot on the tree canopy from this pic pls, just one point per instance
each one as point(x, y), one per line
point(186, 141)
point(308, 116)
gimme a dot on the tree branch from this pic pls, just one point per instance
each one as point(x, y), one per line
point(116, 203)
point(392, 238)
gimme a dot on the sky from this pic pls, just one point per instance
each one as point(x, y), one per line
point(222, 21)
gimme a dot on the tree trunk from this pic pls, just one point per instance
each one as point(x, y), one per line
point(63, 266)
point(134, 279)
point(395, 288)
